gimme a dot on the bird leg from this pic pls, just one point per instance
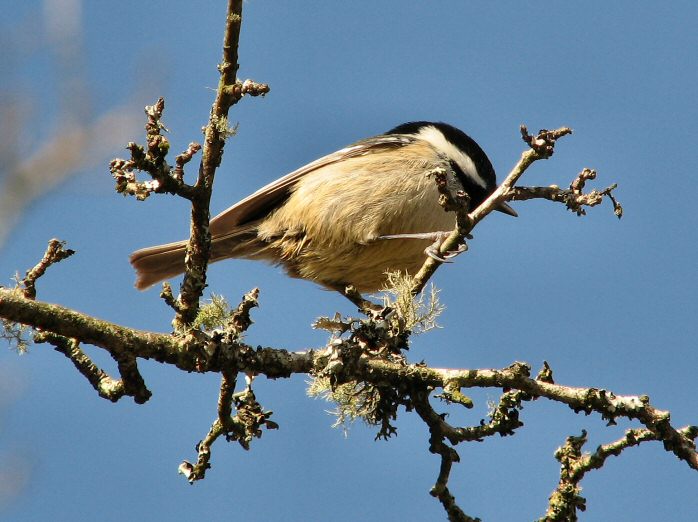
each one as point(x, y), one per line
point(433, 249)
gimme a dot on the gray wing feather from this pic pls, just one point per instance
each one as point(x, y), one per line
point(233, 231)
point(267, 198)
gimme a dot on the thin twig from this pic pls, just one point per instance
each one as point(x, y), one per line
point(106, 386)
point(55, 252)
point(222, 424)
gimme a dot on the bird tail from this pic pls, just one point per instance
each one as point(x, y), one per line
point(157, 263)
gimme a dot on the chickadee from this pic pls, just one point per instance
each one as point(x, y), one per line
point(346, 218)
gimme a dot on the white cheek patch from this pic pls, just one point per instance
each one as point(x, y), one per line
point(436, 139)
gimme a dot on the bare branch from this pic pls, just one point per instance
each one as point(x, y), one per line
point(574, 198)
point(107, 387)
point(55, 253)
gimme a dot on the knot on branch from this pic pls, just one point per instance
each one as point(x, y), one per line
point(249, 87)
point(544, 142)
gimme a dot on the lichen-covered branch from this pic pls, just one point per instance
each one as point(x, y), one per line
point(242, 428)
point(371, 355)
point(209, 353)
point(106, 386)
point(566, 500)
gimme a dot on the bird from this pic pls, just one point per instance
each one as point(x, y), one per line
point(347, 218)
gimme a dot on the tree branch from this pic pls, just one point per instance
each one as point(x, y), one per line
point(106, 387)
point(566, 499)
point(363, 357)
point(55, 253)
point(215, 135)
point(210, 354)
point(541, 147)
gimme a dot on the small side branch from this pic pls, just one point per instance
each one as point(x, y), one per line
point(439, 431)
point(13, 331)
point(55, 252)
point(134, 385)
point(243, 427)
point(194, 472)
point(504, 418)
point(106, 386)
point(131, 383)
point(574, 198)
point(152, 159)
point(566, 500)
point(248, 87)
point(215, 135)
point(165, 179)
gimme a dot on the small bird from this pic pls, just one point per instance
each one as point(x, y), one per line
point(348, 217)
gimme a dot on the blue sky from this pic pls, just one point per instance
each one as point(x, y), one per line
point(607, 303)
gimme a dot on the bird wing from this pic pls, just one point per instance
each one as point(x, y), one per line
point(267, 198)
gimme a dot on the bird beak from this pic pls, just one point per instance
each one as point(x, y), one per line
point(506, 209)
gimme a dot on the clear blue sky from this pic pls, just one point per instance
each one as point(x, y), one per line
point(609, 304)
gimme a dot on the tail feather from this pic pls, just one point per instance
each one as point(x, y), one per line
point(157, 263)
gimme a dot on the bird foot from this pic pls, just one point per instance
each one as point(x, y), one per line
point(433, 251)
